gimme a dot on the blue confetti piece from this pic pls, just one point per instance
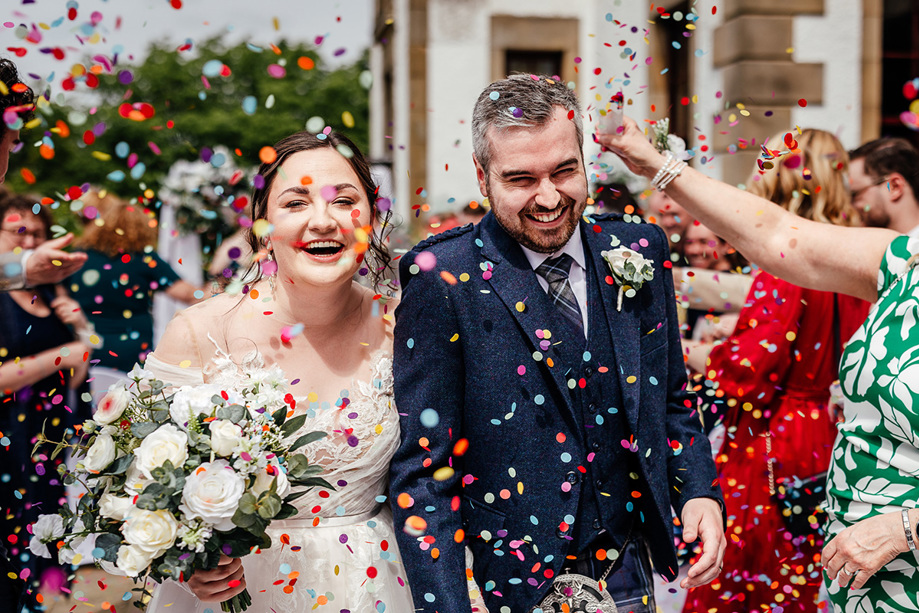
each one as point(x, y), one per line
point(249, 105)
point(429, 418)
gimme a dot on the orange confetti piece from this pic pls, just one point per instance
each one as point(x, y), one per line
point(267, 155)
point(448, 277)
point(306, 63)
point(27, 176)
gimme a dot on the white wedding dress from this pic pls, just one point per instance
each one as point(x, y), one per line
point(339, 553)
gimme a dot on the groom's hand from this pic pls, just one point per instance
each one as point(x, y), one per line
point(702, 519)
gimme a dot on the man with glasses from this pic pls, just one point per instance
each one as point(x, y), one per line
point(26, 267)
point(884, 179)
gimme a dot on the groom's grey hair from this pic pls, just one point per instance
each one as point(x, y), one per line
point(520, 100)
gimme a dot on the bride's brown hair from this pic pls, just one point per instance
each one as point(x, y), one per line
point(378, 260)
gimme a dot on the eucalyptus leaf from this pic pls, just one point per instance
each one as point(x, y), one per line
point(144, 429)
point(109, 544)
point(312, 482)
point(248, 504)
point(306, 439)
point(119, 465)
point(293, 424)
point(234, 413)
point(279, 416)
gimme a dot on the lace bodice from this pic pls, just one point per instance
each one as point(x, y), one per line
point(362, 430)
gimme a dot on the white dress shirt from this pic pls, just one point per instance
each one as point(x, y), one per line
point(577, 276)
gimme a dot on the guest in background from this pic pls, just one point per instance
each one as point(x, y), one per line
point(774, 371)
point(46, 343)
point(673, 218)
point(704, 251)
point(884, 179)
point(116, 286)
point(472, 213)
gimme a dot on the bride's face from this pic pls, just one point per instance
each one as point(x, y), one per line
point(315, 204)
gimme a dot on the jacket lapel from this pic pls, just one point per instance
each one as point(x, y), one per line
point(624, 325)
point(514, 281)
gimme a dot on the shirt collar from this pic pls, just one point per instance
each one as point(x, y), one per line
point(574, 247)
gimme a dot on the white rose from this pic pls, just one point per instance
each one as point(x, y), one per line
point(48, 529)
point(151, 531)
point(132, 560)
point(112, 405)
point(264, 477)
point(114, 507)
point(101, 453)
point(111, 568)
point(225, 437)
point(212, 493)
point(166, 443)
point(140, 373)
point(190, 401)
point(135, 481)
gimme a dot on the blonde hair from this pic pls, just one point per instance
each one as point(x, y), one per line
point(810, 180)
point(119, 226)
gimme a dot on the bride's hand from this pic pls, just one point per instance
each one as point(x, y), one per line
point(633, 147)
point(213, 585)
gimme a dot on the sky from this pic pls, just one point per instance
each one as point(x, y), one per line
point(128, 27)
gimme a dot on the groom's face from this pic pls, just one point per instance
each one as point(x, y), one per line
point(536, 182)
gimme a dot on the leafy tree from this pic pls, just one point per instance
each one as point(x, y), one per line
point(192, 114)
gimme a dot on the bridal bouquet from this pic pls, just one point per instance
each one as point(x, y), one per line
point(176, 477)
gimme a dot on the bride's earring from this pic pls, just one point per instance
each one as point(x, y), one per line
point(272, 268)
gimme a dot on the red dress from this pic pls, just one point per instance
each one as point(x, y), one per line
point(777, 366)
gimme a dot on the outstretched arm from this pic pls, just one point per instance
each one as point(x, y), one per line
point(806, 253)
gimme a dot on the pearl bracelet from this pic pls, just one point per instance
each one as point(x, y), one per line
point(908, 530)
point(671, 169)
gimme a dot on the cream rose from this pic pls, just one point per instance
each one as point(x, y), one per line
point(190, 401)
point(133, 560)
point(101, 453)
point(47, 530)
point(166, 443)
point(151, 531)
point(112, 405)
point(115, 507)
point(134, 480)
point(212, 493)
point(263, 480)
point(225, 437)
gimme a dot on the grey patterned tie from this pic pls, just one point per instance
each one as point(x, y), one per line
point(555, 271)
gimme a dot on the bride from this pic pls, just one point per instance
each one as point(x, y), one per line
point(333, 340)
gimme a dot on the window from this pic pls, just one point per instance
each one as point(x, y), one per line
point(533, 62)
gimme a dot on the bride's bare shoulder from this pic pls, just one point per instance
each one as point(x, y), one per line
point(190, 334)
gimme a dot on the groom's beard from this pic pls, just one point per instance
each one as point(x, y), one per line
point(523, 230)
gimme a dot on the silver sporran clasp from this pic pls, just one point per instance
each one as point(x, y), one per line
point(581, 594)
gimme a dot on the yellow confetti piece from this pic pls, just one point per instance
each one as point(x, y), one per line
point(184, 363)
point(444, 473)
point(521, 307)
point(94, 339)
point(790, 336)
point(520, 487)
point(631, 379)
point(261, 227)
point(378, 429)
point(101, 155)
point(57, 262)
point(348, 119)
point(464, 277)
point(275, 23)
point(312, 397)
point(454, 338)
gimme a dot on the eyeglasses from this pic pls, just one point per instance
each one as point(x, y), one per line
point(858, 192)
point(37, 235)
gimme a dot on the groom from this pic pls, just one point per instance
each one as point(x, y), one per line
point(545, 425)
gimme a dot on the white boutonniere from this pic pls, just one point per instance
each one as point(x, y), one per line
point(630, 270)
